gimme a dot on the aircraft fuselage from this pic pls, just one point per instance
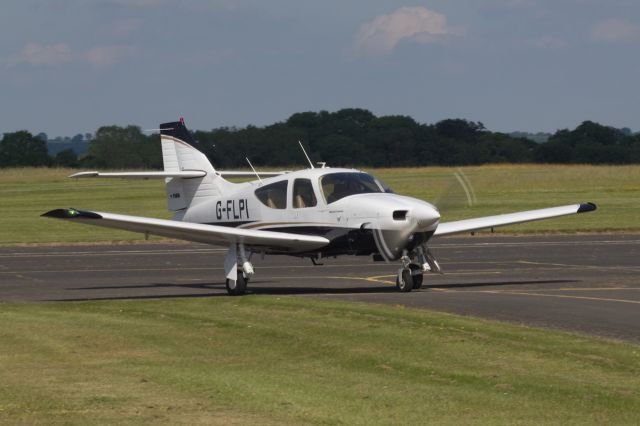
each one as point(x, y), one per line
point(362, 222)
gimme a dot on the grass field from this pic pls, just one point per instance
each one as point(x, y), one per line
point(271, 360)
point(509, 188)
point(268, 360)
point(26, 193)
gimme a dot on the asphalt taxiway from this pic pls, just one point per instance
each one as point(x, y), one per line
point(584, 283)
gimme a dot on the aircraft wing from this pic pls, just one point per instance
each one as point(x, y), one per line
point(200, 233)
point(467, 225)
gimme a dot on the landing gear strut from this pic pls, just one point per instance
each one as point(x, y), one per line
point(238, 269)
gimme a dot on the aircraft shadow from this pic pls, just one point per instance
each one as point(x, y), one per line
point(218, 289)
point(500, 283)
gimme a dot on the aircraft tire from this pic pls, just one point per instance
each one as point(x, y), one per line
point(237, 287)
point(417, 275)
point(404, 281)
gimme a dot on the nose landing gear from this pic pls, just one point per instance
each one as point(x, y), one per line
point(411, 274)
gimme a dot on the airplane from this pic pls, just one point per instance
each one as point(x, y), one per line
point(317, 212)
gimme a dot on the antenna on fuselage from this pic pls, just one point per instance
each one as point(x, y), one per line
point(305, 154)
point(254, 170)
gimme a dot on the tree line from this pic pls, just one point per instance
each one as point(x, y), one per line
point(348, 137)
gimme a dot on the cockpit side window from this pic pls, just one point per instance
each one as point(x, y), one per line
point(339, 185)
point(386, 188)
point(273, 195)
point(303, 195)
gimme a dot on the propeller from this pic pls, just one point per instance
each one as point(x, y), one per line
point(404, 228)
point(458, 193)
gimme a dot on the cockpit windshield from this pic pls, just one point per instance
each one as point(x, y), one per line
point(339, 185)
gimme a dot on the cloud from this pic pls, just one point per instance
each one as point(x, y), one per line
point(422, 25)
point(36, 54)
point(42, 54)
point(107, 56)
point(614, 31)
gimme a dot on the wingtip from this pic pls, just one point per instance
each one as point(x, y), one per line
point(84, 174)
point(587, 207)
point(70, 213)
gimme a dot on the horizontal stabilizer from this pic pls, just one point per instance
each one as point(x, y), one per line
point(185, 174)
point(196, 232)
point(249, 174)
point(468, 225)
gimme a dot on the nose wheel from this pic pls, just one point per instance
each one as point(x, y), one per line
point(411, 274)
point(404, 281)
point(409, 278)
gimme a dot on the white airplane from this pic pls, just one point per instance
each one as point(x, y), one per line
point(315, 213)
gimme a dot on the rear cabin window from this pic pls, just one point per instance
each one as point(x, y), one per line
point(303, 195)
point(273, 195)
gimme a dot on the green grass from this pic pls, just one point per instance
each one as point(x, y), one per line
point(266, 360)
point(27, 193)
point(510, 188)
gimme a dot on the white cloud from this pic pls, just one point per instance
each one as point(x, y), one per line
point(106, 56)
point(42, 54)
point(381, 35)
point(56, 54)
point(614, 31)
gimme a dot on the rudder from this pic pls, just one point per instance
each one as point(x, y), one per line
point(180, 153)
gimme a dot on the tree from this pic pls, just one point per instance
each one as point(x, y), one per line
point(462, 130)
point(338, 151)
point(590, 143)
point(66, 158)
point(116, 147)
point(21, 149)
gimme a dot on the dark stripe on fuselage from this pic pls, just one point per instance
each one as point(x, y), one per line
point(352, 241)
point(341, 240)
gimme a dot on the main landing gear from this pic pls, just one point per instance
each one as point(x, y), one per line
point(411, 274)
point(237, 287)
point(237, 277)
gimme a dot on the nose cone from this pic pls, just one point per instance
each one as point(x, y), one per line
point(426, 216)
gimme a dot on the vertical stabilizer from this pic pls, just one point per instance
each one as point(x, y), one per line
point(180, 153)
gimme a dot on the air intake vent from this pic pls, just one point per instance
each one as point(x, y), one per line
point(400, 215)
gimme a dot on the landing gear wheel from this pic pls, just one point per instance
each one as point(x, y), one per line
point(237, 287)
point(404, 282)
point(417, 275)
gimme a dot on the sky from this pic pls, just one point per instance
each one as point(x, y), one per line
point(71, 66)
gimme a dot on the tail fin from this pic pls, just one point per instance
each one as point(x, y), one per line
point(179, 153)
